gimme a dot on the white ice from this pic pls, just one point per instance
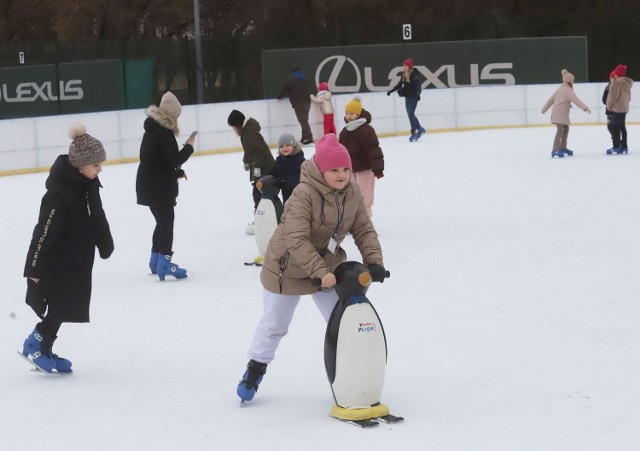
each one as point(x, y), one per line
point(512, 313)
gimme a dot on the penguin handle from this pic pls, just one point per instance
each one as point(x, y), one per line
point(387, 274)
point(317, 282)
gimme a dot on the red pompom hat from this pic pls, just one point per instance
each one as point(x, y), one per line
point(324, 86)
point(620, 70)
point(408, 62)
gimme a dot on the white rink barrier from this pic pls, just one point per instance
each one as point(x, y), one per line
point(32, 144)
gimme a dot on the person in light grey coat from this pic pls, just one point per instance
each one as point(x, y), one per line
point(561, 101)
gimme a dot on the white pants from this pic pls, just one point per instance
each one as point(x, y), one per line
point(276, 317)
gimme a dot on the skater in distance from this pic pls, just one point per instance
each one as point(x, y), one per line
point(71, 225)
point(322, 210)
point(560, 103)
point(410, 88)
point(618, 99)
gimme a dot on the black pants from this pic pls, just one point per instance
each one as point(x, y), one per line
point(165, 216)
point(618, 129)
point(257, 195)
point(49, 331)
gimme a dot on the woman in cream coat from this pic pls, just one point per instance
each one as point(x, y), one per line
point(561, 101)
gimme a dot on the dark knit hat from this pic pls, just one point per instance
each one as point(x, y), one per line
point(236, 118)
point(330, 154)
point(84, 148)
point(408, 62)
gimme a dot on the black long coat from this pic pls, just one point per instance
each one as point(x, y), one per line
point(256, 151)
point(160, 161)
point(71, 224)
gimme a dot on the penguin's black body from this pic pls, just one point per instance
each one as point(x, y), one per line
point(355, 349)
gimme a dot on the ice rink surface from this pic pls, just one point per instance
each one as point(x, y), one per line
point(512, 312)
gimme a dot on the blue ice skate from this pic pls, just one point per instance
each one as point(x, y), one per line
point(32, 351)
point(412, 138)
point(251, 379)
point(421, 131)
point(153, 262)
point(613, 150)
point(623, 150)
point(567, 152)
point(557, 153)
point(166, 268)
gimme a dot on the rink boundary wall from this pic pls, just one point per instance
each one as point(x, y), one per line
point(32, 144)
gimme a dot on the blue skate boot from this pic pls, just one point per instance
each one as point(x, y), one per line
point(251, 379)
point(567, 152)
point(153, 261)
point(613, 150)
point(166, 268)
point(421, 131)
point(623, 150)
point(32, 350)
point(412, 138)
point(557, 153)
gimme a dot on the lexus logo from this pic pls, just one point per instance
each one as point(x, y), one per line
point(340, 69)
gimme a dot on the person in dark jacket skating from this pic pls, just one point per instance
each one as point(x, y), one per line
point(287, 167)
point(59, 264)
point(157, 180)
point(257, 158)
point(410, 88)
point(298, 92)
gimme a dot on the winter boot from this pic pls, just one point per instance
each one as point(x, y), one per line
point(251, 379)
point(613, 150)
point(166, 268)
point(32, 349)
point(153, 261)
point(557, 153)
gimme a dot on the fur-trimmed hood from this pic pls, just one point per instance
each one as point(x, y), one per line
point(162, 119)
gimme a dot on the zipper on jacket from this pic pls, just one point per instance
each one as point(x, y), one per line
point(282, 266)
point(88, 206)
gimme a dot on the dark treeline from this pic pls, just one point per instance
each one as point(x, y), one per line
point(235, 32)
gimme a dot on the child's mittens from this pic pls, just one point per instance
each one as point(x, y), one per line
point(378, 272)
point(378, 174)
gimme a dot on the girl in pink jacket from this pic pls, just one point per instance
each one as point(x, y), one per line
point(561, 101)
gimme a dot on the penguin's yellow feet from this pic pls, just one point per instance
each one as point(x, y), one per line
point(377, 411)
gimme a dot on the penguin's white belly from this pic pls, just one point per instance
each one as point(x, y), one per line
point(265, 223)
point(361, 358)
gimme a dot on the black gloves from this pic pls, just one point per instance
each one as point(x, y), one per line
point(378, 273)
point(389, 93)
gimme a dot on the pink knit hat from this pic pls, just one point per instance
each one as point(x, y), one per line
point(408, 62)
point(323, 86)
point(330, 154)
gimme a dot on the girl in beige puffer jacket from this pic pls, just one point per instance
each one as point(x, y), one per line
point(322, 210)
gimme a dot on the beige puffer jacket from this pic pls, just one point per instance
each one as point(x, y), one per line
point(297, 251)
point(619, 95)
point(323, 100)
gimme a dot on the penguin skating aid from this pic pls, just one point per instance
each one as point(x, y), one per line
point(355, 351)
point(267, 215)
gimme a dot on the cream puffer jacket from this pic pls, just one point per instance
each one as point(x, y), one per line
point(298, 250)
point(323, 100)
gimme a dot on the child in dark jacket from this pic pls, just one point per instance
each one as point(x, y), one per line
point(360, 139)
point(287, 166)
point(71, 224)
point(257, 157)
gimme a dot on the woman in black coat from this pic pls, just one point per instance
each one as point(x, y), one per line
point(71, 224)
point(157, 180)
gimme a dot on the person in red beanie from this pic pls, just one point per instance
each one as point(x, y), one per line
point(324, 102)
point(618, 100)
point(410, 87)
point(323, 209)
